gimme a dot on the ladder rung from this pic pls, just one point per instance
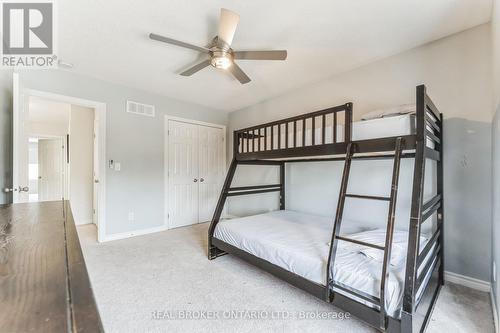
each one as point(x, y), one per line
point(355, 292)
point(361, 243)
point(369, 197)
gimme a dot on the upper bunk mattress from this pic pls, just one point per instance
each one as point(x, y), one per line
point(383, 127)
point(300, 244)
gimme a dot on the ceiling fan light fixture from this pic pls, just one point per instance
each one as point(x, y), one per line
point(222, 60)
point(219, 53)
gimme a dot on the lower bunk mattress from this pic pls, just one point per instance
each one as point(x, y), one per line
point(300, 244)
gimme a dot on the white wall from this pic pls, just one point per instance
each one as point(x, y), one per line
point(495, 38)
point(457, 73)
point(135, 141)
point(50, 129)
point(81, 144)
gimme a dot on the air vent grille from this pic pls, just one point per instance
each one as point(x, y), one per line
point(140, 109)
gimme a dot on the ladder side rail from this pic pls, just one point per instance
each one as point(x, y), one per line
point(220, 207)
point(390, 230)
point(338, 220)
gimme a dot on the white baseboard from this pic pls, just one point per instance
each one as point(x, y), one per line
point(467, 281)
point(83, 222)
point(134, 233)
point(495, 311)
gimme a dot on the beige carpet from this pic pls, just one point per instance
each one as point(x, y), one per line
point(151, 283)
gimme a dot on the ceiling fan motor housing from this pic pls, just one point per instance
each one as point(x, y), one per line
point(221, 59)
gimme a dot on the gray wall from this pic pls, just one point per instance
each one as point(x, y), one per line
point(495, 39)
point(5, 135)
point(457, 72)
point(135, 141)
point(496, 205)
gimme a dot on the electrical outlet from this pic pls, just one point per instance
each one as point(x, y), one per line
point(131, 216)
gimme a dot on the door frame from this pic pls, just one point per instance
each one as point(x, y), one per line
point(100, 111)
point(166, 222)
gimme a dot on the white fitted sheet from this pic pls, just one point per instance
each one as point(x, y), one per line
point(299, 243)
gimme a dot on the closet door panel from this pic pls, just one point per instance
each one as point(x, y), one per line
point(183, 174)
point(211, 170)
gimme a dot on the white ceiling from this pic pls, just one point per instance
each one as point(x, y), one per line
point(47, 111)
point(109, 40)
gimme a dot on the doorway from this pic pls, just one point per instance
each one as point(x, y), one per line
point(59, 153)
point(194, 170)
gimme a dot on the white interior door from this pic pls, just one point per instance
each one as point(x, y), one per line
point(20, 180)
point(95, 202)
point(182, 173)
point(50, 169)
point(211, 169)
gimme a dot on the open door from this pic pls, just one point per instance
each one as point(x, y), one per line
point(95, 204)
point(50, 169)
point(20, 180)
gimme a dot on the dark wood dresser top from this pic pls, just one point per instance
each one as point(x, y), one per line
point(44, 284)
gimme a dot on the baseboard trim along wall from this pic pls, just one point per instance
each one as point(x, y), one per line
point(129, 234)
point(83, 222)
point(495, 311)
point(467, 281)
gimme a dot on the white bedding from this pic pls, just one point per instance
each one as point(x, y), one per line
point(299, 243)
point(383, 127)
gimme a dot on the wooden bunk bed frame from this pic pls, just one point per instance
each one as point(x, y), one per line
point(424, 266)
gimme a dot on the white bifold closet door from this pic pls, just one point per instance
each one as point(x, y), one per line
point(195, 172)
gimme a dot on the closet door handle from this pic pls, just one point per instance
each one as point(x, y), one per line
point(202, 180)
point(195, 180)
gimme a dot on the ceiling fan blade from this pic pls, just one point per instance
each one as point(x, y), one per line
point(260, 55)
point(178, 43)
point(227, 25)
point(239, 74)
point(196, 68)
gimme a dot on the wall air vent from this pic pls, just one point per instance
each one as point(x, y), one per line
point(141, 109)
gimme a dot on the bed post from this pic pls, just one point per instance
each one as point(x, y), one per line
point(415, 215)
point(440, 189)
point(282, 183)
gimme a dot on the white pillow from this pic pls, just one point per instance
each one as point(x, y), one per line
point(390, 112)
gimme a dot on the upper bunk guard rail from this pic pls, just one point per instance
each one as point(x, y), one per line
point(304, 135)
point(380, 301)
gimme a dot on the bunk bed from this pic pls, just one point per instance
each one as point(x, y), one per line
point(310, 252)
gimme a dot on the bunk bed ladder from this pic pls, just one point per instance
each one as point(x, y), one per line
point(214, 252)
point(378, 301)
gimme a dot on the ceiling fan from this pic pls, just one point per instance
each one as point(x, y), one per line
point(220, 54)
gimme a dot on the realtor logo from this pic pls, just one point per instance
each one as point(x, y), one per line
point(28, 34)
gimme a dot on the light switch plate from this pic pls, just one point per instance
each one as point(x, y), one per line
point(118, 166)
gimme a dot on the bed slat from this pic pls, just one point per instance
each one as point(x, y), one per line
point(357, 293)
